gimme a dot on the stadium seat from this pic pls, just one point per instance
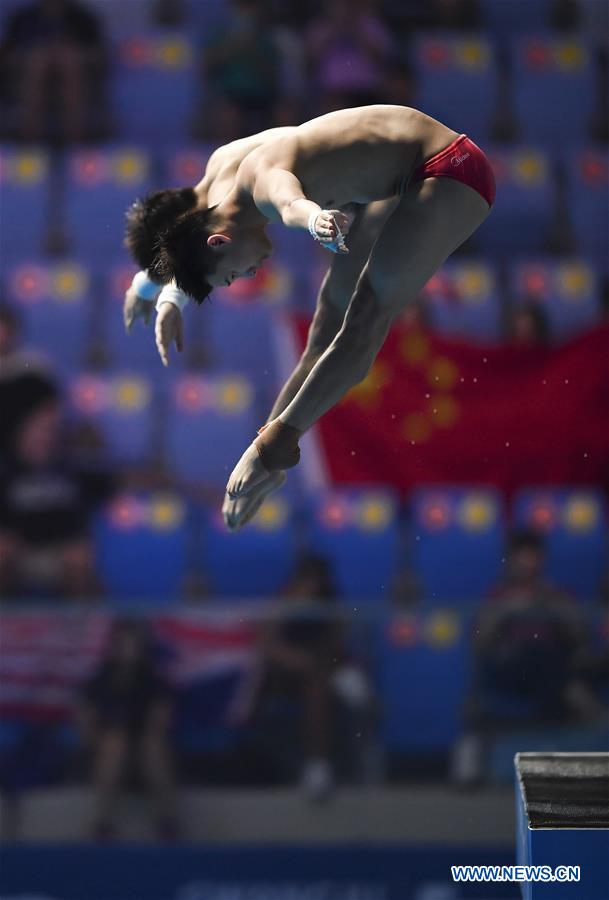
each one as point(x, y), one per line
point(210, 422)
point(55, 303)
point(185, 164)
point(516, 16)
point(457, 81)
point(424, 669)
point(100, 186)
point(141, 545)
point(154, 86)
point(137, 350)
point(121, 407)
point(357, 531)
point(456, 542)
point(573, 523)
point(240, 335)
point(567, 291)
point(463, 299)
point(24, 200)
point(255, 561)
point(553, 83)
point(587, 174)
point(524, 211)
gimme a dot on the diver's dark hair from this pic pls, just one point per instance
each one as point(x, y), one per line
point(149, 217)
point(183, 255)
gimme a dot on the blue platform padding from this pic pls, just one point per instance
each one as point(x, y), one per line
point(141, 546)
point(154, 86)
point(100, 186)
point(553, 83)
point(515, 16)
point(210, 422)
point(463, 299)
point(424, 665)
point(456, 539)
point(55, 303)
point(567, 291)
point(165, 871)
point(457, 81)
point(121, 408)
point(24, 201)
point(581, 738)
point(255, 561)
point(558, 824)
point(525, 208)
point(573, 523)
point(587, 178)
point(357, 531)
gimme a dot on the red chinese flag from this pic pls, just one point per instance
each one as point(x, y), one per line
point(436, 409)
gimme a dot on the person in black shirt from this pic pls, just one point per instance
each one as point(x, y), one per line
point(54, 53)
point(126, 714)
point(46, 502)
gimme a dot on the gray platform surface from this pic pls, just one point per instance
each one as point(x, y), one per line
point(565, 790)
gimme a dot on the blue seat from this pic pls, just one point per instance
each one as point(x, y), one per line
point(185, 164)
point(154, 86)
point(257, 560)
point(100, 186)
point(554, 83)
point(210, 422)
point(55, 303)
point(456, 542)
point(357, 531)
point(463, 299)
point(240, 336)
point(424, 675)
point(457, 81)
point(516, 16)
point(121, 407)
point(525, 209)
point(137, 350)
point(567, 291)
point(587, 172)
point(24, 199)
point(141, 544)
point(573, 522)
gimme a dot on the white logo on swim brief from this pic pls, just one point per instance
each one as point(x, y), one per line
point(457, 160)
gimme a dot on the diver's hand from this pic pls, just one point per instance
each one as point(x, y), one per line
point(330, 228)
point(134, 307)
point(169, 327)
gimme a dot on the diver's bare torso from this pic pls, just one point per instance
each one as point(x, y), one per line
point(223, 165)
point(350, 156)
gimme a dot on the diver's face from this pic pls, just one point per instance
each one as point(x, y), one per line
point(241, 257)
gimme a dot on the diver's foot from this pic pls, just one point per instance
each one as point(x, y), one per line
point(239, 512)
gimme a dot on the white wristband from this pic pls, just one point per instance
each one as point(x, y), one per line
point(145, 287)
point(312, 221)
point(172, 294)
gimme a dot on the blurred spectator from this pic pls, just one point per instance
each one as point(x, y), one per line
point(53, 66)
point(14, 359)
point(528, 325)
point(306, 663)
point(45, 501)
point(531, 648)
point(126, 715)
point(242, 67)
point(350, 52)
point(455, 13)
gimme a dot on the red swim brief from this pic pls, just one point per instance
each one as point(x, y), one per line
point(464, 161)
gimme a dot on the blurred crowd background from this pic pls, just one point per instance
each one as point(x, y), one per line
point(361, 634)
